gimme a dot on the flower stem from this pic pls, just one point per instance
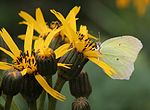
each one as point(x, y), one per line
point(32, 105)
point(42, 100)
point(58, 87)
point(49, 79)
point(8, 102)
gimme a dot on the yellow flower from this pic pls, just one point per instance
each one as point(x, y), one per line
point(81, 41)
point(140, 5)
point(39, 23)
point(24, 61)
point(41, 26)
point(42, 47)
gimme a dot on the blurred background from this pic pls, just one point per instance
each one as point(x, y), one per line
point(105, 19)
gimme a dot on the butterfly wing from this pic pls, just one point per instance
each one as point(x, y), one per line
point(120, 53)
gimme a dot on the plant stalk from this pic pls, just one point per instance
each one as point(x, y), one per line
point(8, 102)
point(32, 105)
point(58, 87)
point(42, 100)
point(49, 79)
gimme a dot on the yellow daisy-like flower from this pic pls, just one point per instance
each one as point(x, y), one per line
point(81, 41)
point(41, 26)
point(42, 46)
point(24, 61)
point(39, 23)
point(140, 5)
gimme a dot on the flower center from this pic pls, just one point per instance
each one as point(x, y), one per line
point(84, 43)
point(45, 52)
point(26, 62)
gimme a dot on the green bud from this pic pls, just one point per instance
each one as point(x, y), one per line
point(80, 86)
point(77, 61)
point(81, 104)
point(55, 24)
point(56, 42)
point(59, 38)
point(47, 64)
point(31, 89)
point(11, 82)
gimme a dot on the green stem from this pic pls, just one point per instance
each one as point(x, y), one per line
point(58, 87)
point(32, 105)
point(8, 102)
point(42, 100)
point(49, 79)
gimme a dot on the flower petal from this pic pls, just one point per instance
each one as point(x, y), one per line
point(28, 18)
point(39, 16)
point(10, 43)
point(83, 30)
point(28, 39)
point(50, 36)
point(41, 22)
point(107, 69)
point(24, 72)
point(8, 53)
point(38, 44)
point(70, 33)
point(71, 17)
point(93, 37)
point(48, 89)
point(91, 53)
point(122, 3)
point(22, 37)
point(5, 66)
point(60, 51)
point(64, 65)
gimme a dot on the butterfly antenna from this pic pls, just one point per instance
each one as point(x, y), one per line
point(99, 36)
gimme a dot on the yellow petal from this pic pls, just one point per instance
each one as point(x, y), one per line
point(60, 51)
point(41, 21)
point(5, 66)
point(48, 89)
point(38, 44)
point(23, 72)
point(64, 65)
point(83, 30)
point(39, 16)
point(28, 39)
point(10, 43)
point(79, 45)
point(71, 17)
point(28, 18)
point(107, 69)
point(22, 37)
point(93, 37)
point(50, 36)
point(70, 33)
point(8, 53)
point(91, 53)
point(122, 3)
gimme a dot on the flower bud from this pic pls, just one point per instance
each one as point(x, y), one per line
point(46, 63)
point(58, 40)
point(77, 61)
point(30, 89)
point(81, 104)
point(55, 24)
point(80, 86)
point(11, 82)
